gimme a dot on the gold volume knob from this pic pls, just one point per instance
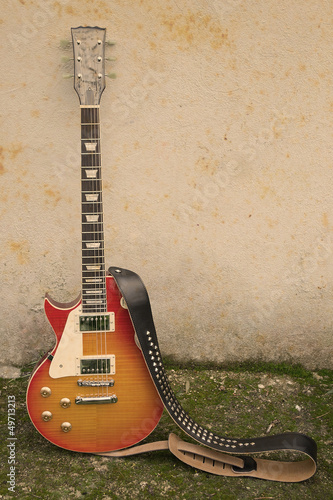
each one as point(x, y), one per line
point(65, 402)
point(45, 392)
point(66, 426)
point(46, 416)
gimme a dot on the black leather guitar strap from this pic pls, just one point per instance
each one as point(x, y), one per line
point(216, 458)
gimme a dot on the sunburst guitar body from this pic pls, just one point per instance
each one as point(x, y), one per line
point(108, 401)
point(93, 391)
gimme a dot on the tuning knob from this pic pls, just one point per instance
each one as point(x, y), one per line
point(111, 75)
point(45, 392)
point(66, 426)
point(110, 43)
point(65, 402)
point(67, 76)
point(46, 416)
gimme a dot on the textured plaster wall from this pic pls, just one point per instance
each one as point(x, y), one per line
point(217, 162)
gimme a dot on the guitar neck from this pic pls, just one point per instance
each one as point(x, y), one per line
point(93, 261)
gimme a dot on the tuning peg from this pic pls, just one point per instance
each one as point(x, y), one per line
point(67, 76)
point(110, 43)
point(65, 44)
point(111, 59)
point(111, 75)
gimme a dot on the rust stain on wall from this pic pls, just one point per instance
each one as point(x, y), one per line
point(207, 165)
point(53, 196)
point(11, 151)
point(97, 9)
point(194, 28)
point(14, 149)
point(21, 249)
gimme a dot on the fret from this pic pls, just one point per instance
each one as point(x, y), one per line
point(99, 255)
point(93, 259)
point(91, 229)
point(96, 254)
point(97, 287)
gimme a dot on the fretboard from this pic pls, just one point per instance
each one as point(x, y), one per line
point(93, 263)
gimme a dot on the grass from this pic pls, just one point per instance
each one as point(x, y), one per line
point(239, 401)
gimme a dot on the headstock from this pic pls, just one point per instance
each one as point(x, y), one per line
point(89, 63)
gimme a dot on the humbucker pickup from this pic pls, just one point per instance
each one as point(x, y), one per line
point(95, 322)
point(96, 365)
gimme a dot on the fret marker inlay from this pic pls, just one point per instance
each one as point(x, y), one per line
point(90, 146)
point(91, 173)
point(91, 197)
point(93, 245)
point(92, 218)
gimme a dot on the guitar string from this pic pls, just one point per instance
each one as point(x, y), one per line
point(101, 251)
point(106, 377)
point(97, 154)
point(97, 238)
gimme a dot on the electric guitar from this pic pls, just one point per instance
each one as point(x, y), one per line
point(93, 391)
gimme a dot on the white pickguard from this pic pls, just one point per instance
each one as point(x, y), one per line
point(69, 351)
